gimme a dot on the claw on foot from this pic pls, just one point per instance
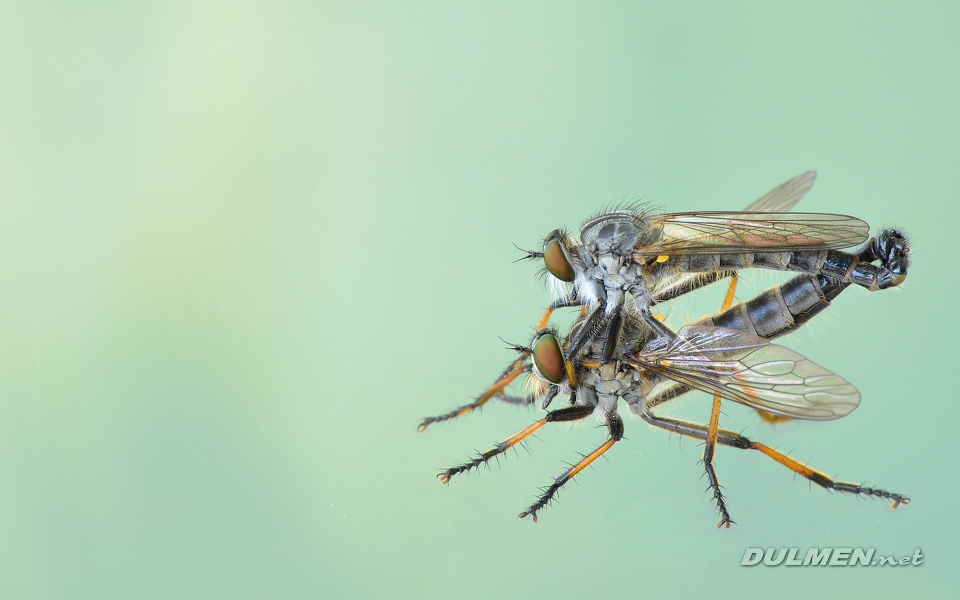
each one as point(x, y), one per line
point(726, 523)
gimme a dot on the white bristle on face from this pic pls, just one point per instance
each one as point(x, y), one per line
point(558, 287)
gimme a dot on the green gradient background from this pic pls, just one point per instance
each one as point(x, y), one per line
point(245, 247)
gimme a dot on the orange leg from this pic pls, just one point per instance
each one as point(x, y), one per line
point(731, 291)
point(735, 440)
point(710, 445)
point(564, 302)
point(615, 426)
point(570, 413)
point(545, 319)
point(825, 481)
point(512, 372)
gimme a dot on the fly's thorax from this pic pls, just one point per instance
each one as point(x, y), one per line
point(613, 386)
point(607, 379)
point(615, 274)
point(626, 279)
point(610, 263)
point(613, 269)
point(616, 233)
point(589, 379)
point(612, 272)
point(591, 387)
point(610, 240)
point(607, 372)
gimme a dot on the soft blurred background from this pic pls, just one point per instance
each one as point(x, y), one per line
point(246, 246)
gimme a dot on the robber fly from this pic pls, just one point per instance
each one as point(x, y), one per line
point(731, 363)
point(650, 257)
point(836, 271)
point(728, 355)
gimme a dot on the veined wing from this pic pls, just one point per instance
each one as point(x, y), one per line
point(780, 199)
point(784, 197)
point(725, 232)
point(748, 369)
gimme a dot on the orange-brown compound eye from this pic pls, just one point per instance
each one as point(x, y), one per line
point(557, 262)
point(549, 359)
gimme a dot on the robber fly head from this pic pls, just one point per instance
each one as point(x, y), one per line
point(567, 262)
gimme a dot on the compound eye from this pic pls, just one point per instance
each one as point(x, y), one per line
point(549, 359)
point(557, 262)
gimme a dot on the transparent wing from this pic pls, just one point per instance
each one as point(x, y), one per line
point(785, 196)
point(780, 199)
point(725, 232)
point(750, 370)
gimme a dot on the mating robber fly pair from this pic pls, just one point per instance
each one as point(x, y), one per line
point(625, 262)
